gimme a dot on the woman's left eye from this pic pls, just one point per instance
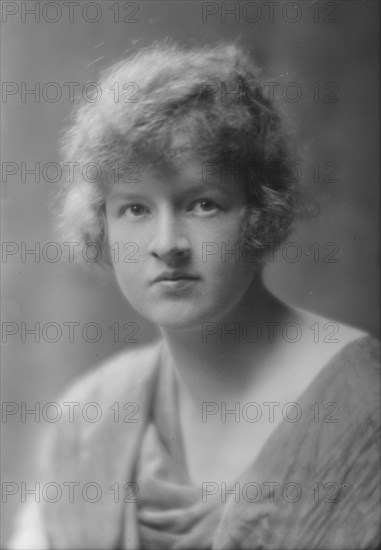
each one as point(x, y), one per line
point(205, 206)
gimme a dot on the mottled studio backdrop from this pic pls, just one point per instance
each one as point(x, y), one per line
point(321, 61)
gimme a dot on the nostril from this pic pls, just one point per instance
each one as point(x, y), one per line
point(181, 252)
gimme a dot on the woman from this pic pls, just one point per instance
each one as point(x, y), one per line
point(239, 428)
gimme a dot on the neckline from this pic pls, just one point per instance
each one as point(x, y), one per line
point(177, 444)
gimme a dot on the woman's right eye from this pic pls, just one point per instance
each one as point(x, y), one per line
point(134, 210)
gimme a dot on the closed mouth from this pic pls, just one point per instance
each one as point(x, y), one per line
point(175, 277)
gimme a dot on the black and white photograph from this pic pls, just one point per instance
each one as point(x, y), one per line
point(190, 262)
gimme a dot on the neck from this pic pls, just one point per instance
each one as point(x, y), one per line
point(220, 358)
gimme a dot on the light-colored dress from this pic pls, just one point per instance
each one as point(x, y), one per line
point(314, 485)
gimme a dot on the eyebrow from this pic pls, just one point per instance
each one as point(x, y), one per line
point(133, 195)
point(119, 195)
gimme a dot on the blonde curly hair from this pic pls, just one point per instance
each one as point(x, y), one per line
point(213, 95)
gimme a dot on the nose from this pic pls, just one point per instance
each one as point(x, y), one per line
point(170, 242)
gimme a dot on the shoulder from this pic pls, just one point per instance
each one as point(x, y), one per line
point(103, 407)
point(360, 367)
point(355, 354)
point(351, 381)
point(97, 400)
point(343, 362)
point(352, 359)
point(325, 339)
point(122, 374)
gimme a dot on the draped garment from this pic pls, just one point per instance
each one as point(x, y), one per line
point(314, 485)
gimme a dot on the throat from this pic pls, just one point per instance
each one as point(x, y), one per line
point(220, 452)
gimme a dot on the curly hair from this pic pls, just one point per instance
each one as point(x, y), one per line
point(210, 95)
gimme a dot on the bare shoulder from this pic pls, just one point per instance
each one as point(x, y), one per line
point(355, 357)
point(328, 332)
point(321, 340)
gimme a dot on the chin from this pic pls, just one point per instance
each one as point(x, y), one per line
point(176, 317)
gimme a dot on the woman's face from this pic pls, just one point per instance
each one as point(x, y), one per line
point(178, 238)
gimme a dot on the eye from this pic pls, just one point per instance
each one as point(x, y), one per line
point(205, 206)
point(134, 210)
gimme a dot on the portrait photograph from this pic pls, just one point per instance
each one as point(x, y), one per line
point(190, 263)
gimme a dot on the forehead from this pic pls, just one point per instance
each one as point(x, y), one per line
point(179, 164)
point(189, 178)
point(205, 164)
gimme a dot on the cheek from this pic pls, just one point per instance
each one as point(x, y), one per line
point(218, 242)
point(230, 272)
point(126, 261)
point(128, 272)
point(220, 250)
point(129, 279)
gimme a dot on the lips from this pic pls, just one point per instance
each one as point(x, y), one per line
point(174, 276)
